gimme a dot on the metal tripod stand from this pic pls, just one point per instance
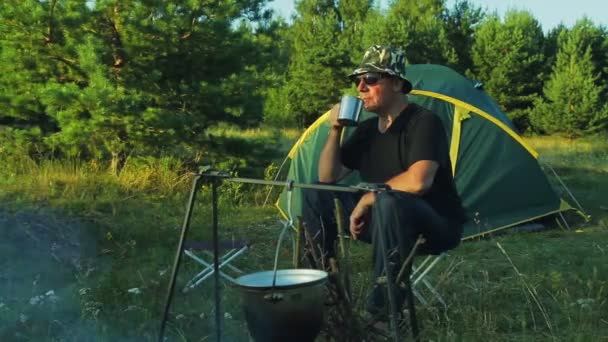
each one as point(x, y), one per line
point(215, 177)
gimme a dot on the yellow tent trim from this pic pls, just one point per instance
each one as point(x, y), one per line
point(515, 223)
point(465, 107)
point(480, 112)
point(460, 114)
point(307, 133)
point(284, 214)
point(563, 206)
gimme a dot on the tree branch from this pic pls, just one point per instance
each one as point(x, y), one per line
point(189, 33)
point(118, 53)
point(73, 65)
point(48, 39)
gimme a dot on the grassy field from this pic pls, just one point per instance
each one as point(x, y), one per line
point(86, 255)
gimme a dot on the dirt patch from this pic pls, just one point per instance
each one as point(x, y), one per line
point(44, 256)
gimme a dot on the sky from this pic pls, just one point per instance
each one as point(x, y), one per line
point(548, 12)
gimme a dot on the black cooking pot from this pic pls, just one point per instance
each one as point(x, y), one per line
point(291, 310)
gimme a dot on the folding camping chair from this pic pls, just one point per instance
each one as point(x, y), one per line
point(198, 250)
point(418, 275)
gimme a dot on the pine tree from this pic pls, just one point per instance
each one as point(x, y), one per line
point(596, 37)
point(320, 60)
point(38, 48)
point(460, 22)
point(573, 103)
point(353, 14)
point(551, 49)
point(275, 94)
point(103, 79)
point(415, 26)
point(508, 59)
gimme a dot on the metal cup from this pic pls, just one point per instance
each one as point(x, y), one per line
point(350, 109)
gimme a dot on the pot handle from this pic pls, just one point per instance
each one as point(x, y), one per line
point(286, 224)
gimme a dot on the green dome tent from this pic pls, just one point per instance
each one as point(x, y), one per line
point(497, 174)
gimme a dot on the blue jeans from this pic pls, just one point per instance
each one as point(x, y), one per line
point(396, 217)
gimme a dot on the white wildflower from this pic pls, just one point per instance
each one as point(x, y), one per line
point(202, 315)
point(23, 318)
point(180, 316)
point(94, 312)
point(130, 308)
point(134, 290)
point(51, 296)
point(227, 315)
point(92, 309)
point(36, 300)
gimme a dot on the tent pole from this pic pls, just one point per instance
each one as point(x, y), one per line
point(559, 222)
point(276, 176)
point(565, 222)
point(580, 207)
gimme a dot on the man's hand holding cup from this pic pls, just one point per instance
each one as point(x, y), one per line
point(346, 113)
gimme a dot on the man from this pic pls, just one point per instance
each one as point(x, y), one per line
point(404, 147)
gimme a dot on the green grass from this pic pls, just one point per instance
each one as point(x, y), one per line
point(582, 165)
point(550, 285)
point(553, 290)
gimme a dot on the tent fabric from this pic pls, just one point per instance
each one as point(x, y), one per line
point(497, 175)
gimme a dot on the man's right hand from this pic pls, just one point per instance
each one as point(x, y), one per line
point(330, 166)
point(360, 215)
point(333, 117)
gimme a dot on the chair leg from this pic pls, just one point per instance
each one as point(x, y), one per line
point(195, 284)
point(236, 270)
point(435, 293)
point(427, 270)
point(420, 297)
point(418, 275)
point(209, 271)
point(206, 271)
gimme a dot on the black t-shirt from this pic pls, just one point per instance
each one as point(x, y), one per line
point(416, 134)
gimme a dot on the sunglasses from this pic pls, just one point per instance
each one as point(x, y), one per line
point(369, 79)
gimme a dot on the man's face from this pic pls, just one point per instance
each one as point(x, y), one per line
point(378, 91)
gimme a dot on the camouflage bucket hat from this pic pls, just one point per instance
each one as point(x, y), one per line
point(385, 60)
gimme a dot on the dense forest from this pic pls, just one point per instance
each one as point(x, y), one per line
point(108, 79)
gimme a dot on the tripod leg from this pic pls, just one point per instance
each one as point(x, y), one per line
point(390, 287)
point(178, 256)
point(412, 311)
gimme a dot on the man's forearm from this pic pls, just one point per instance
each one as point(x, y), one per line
point(404, 182)
point(330, 166)
point(417, 180)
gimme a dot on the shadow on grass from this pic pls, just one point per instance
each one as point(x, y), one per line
point(43, 256)
point(105, 277)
